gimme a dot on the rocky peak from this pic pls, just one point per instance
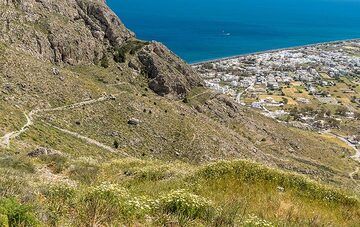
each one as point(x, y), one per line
point(80, 32)
point(67, 31)
point(168, 74)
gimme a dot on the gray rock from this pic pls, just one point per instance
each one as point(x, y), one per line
point(168, 74)
point(280, 189)
point(89, 28)
point(134, 121)
point(114, 133)
point(43, 151)
point(55, 71)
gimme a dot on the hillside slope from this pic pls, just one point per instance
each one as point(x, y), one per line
point(78, 89)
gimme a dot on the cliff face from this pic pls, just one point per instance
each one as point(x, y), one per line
point(168, 74)
point(77, 32)
point(67, 31)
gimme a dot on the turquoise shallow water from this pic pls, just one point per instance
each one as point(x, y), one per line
point(200, 30)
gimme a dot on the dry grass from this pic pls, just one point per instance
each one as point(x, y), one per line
point(207, 195)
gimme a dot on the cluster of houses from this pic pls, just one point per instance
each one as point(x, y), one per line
point(311, 65)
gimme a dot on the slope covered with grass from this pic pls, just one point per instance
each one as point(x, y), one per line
point(100, 129)
point(153, 193)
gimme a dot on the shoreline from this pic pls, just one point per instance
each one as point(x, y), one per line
point(270, 51)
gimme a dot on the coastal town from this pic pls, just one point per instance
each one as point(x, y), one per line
point(316, 87)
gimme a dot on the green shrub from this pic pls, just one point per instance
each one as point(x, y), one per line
point(11, 185)
point(131, 47)
point(120, 55)
point(85, 172)
point(108, 204)
point(251, 172)
point(4, 221)
point(60, 200)
point(101, 204)
point(253, 220)
point(228, 214)
point(16, 214)
point(153, 173)
point(17, 163)
point(57, 163)
point(187, 205)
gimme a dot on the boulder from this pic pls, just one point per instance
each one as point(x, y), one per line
point(280, 189)
point(42, 151)
point(134, 121)
point(55, 71)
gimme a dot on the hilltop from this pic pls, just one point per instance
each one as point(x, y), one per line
point(83, 102)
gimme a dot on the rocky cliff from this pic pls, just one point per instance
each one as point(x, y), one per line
point(68, 31)
point(77, 32)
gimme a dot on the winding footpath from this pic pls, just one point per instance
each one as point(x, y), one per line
point(6, 139)
point(356, 157)
point(88, 140)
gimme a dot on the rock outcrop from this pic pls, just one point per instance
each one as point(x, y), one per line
point(78, 32)
point(168, 74)
point(64, 32)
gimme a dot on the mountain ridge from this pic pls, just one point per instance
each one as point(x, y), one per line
point(132, 98)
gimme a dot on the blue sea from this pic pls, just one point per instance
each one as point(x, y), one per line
point(199, 30)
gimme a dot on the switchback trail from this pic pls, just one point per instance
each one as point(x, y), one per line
point(351, 175)
point(356, 157)
point(6, 139)
point(88, 140)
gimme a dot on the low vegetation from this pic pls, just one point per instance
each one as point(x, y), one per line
point(130, 192)
point(130, 47)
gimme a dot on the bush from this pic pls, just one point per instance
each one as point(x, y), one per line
point(228, 214)
point(4, 221)
point(187, 205)
point(251, 172)
point(108, 204)
point(153, 173)
point(13, 213)
point(17, 163)
point(57, 163)
point(101, 205)
point(342, 111)
point(120, 55)
point(60, 200)
point(85, 172)
point(13, 185)
point(130, 47)
point(253, 220)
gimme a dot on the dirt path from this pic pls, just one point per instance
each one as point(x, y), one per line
point(6, 139)
point(88, 140)
point(356, 157)
point(351, 175)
